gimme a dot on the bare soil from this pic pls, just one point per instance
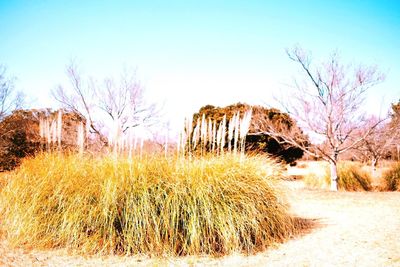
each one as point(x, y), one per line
point(349, 229)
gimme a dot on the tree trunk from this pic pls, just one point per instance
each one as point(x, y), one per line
point(374, 163)
point(334, 172)
point(334, 176)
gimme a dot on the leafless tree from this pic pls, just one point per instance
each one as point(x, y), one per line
point(10, 99)
point(327, 105)
point(121, 102)
point(382, 140)
point(124, 102)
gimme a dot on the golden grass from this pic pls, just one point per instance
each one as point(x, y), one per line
point(392, 178)
point(351, 177)
point(151, 205)
point(312, 180)
point(3, 180)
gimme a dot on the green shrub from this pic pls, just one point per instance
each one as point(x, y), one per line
point(392, 178)
point(151, 205)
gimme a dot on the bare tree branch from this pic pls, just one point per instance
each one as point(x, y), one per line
point(328, 106)
point(10, 99)
point(381, 140)
point(121, 101)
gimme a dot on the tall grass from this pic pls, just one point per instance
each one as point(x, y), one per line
point(351, 177)
point(313, 180)
point(205, 137)
point(392, 178)
point(50, 130)
point(153, 205)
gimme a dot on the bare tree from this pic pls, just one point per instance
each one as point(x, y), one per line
point(124, 102)
point(121, 102)
point(379, 143)
point(327, 105)
point(79, 99)
point(10, 99)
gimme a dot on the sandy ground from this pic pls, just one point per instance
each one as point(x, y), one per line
point(350, 229)
point(353, 229)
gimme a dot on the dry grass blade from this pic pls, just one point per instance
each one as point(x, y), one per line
point(351, 178)
point(152, 205)
point(392, 178)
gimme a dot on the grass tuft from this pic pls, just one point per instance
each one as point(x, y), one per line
point(313, 180)
point(151, 205)
point(351, 178)
point(392, 178)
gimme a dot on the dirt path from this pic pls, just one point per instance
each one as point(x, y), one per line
point(353, 229)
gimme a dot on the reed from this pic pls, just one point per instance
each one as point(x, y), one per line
point(392, 178)
point(215, 137)
point(350, 174)
point(154, 205)
point(50, 131)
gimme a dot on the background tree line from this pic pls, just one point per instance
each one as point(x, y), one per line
point(326, 101)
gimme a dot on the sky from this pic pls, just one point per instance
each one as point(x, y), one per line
point(188, 54)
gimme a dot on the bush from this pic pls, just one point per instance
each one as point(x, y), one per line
point(313, 180)
point(392, 178)
point(351, 178)
point(20, 138)
point(151, 205)
point(256, 141)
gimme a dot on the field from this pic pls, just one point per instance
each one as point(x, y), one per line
point(344, 229)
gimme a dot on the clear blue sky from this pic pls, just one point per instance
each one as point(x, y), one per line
point(191, 53)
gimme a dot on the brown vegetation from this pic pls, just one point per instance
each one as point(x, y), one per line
point(350, 229)
point(256, 141)
point(20, 135)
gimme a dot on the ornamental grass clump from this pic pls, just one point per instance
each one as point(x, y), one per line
point(145, 205)
point(392, 178)
point(351, 177)
point(313, 180)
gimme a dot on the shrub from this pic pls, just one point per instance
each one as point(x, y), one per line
point(313, 180)
point(256, 141)
point(18, 138)
point(151, 205)
point(392, 178)
point(351, 178)
point(19, 135)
